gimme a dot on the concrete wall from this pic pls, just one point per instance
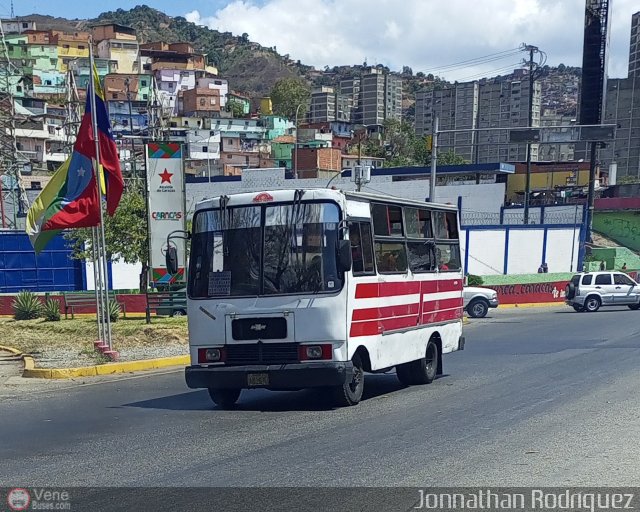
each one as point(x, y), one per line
point(494, 250)
point(623, 227)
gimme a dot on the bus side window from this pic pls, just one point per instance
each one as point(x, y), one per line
point(361, 248)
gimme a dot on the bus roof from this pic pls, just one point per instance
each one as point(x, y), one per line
point(283, 195)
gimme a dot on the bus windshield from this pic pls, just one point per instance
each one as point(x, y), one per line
point(265, 250)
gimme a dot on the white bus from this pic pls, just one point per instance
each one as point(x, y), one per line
point(294, 289)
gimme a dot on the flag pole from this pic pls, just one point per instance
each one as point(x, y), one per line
point(102, 255)
point(96, 283)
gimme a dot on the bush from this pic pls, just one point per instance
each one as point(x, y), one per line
point(474, 280)
point(51, 310)
point(26, 306)
point(114, 311)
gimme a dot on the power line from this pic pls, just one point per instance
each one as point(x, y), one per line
point(477, 60)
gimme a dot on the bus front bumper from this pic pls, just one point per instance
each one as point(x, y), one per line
point(277, 376)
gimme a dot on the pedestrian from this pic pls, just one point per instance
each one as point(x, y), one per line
point(603, 265)
point(624, 266)
point(545, 268)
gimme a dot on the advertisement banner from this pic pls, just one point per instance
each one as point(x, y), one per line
point(165, 182)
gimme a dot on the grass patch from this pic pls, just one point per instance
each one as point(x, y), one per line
point(35, 336)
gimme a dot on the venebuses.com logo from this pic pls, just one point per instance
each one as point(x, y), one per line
point(18, 499)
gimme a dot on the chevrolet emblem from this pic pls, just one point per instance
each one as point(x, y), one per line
point(258, 327)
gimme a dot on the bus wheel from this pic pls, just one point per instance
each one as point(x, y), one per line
point(350, 393)
point(224, 398)
point(422, 371)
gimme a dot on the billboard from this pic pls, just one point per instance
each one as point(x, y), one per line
point(167, 212)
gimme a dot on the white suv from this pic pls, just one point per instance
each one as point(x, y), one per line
point(589, 291)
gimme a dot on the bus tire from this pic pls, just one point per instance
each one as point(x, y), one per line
point(404, 372)
point(224, 398)
point(422, 371)
point(350, 393)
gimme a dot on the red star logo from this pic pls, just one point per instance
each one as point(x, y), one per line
point(166, 177)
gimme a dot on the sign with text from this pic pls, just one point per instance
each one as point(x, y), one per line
point(166, 193)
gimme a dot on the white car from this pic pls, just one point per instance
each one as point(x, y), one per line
point(591, 290)
point(477, 301)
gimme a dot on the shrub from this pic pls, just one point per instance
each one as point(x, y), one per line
point(51, 310)
point(26, 306)
point(474, 280)
point(114, 311)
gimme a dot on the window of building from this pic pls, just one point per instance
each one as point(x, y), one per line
point(361, 248)
point(38, 147)
point(202, 102)
point(229, 157)
point(114, 95)
point(143, 83)
point(213, 101)
point(65, 46)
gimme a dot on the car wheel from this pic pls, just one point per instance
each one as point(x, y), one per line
point(634, 307)
point(578, 309)
point(179, 312)
point(350, 393)
point(478, 308)
point(224, 398)
point(592, 304)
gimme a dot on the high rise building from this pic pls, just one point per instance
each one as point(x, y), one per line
point(634, 46)
point(328, 106)
point(489, 105)
point(622, 108)
point(376, 96)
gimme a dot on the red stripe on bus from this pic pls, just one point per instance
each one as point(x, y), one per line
point(385, 312)
point(373, 290)
point(437, 305)
point(374, 327)
point(441, 316)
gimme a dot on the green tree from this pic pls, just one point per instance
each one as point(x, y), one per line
point(450, 158)
point(125, 234)
point(289, 93)
point(236, 108)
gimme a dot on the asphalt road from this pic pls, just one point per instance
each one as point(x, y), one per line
point(538, 397)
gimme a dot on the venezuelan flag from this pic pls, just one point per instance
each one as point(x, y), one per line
point(71, 198)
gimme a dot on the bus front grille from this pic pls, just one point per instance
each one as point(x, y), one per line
point(262, 353)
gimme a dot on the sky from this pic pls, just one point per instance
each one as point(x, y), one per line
point(426, 35)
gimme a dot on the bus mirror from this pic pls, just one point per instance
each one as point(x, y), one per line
point(171, 260)
point(344, 255)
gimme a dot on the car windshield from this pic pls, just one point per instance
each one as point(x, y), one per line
point(265, 250)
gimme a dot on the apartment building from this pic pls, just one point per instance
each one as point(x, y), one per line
point(622, 108)
point(457, 109)
point(71, 46)
point(376, 96)
point(201, 101)
point(119, 43)
point(556, 152)
point(327, 106)
point(485, 105)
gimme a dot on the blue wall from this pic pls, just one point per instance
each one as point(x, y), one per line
point(52, 270)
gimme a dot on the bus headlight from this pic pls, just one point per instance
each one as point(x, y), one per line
point(209, 355)
point(315, 352)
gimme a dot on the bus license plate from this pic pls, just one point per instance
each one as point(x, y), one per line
point(258, 379)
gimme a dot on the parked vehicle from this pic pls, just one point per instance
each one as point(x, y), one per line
point(591, 290)
point(294, 289)
point(477, 301)
point(176, 306)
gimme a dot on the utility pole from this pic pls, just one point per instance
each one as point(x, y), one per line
point(527, 191)
point(434, 159)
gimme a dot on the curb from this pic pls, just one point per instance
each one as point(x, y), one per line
point(531, 305)
point(31, 372)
